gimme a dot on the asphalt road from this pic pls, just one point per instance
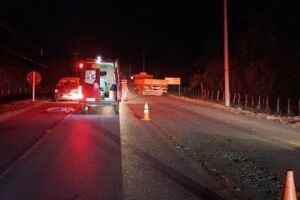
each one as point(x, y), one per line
point(186, 151)
point(247, 155)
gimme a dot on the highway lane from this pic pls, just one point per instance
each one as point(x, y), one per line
point(18, 133)
point(155, 168)
point(250, 154)
point(186, 151)
point(78, 158)
point(89, 156)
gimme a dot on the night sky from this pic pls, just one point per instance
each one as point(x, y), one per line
point(171, 33)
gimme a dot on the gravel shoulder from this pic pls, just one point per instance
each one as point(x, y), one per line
point(9, 110)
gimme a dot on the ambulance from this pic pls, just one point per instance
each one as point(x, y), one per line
point(99, 84)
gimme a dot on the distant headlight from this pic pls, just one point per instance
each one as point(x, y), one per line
point(56, 90)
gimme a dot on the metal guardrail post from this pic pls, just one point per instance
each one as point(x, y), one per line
point(267, 104)
point(278, 106)
point(258, 103)
point(288, 106)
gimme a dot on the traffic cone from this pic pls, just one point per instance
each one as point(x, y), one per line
point(288, 189)
point(146, 113)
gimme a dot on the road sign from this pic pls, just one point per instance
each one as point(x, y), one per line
point(173, 80)
point(34, 77)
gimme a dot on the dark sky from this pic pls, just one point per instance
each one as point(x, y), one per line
point(173, 33)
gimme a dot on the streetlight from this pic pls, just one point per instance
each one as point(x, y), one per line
point(99, 59)
point(144, 61)
point(130, 67)
point(75, 54)
point(226, 65)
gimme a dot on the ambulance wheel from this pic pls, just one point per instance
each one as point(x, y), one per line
point(84, 108)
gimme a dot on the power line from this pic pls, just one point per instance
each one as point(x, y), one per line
point(75, 54)
point(10, 30)
point(24, 57)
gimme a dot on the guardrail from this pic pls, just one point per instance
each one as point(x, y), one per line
point(264, 104)
point(11, 94)
point(15, 91)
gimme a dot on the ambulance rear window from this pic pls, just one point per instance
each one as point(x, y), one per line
point(102, 73)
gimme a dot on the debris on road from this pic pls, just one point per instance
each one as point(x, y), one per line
point(61, 109)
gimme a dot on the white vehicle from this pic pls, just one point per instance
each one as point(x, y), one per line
point(67, 89)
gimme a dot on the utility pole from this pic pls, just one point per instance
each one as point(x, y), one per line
point(41, 52)
point(129, 67)
point(226, 57)
point(144, 61)
point(75, 54)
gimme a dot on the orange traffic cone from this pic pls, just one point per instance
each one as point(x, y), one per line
point(288, 189)
point(146, 113)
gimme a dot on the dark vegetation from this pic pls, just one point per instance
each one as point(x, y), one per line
point(264, 55)
point(13, 71)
